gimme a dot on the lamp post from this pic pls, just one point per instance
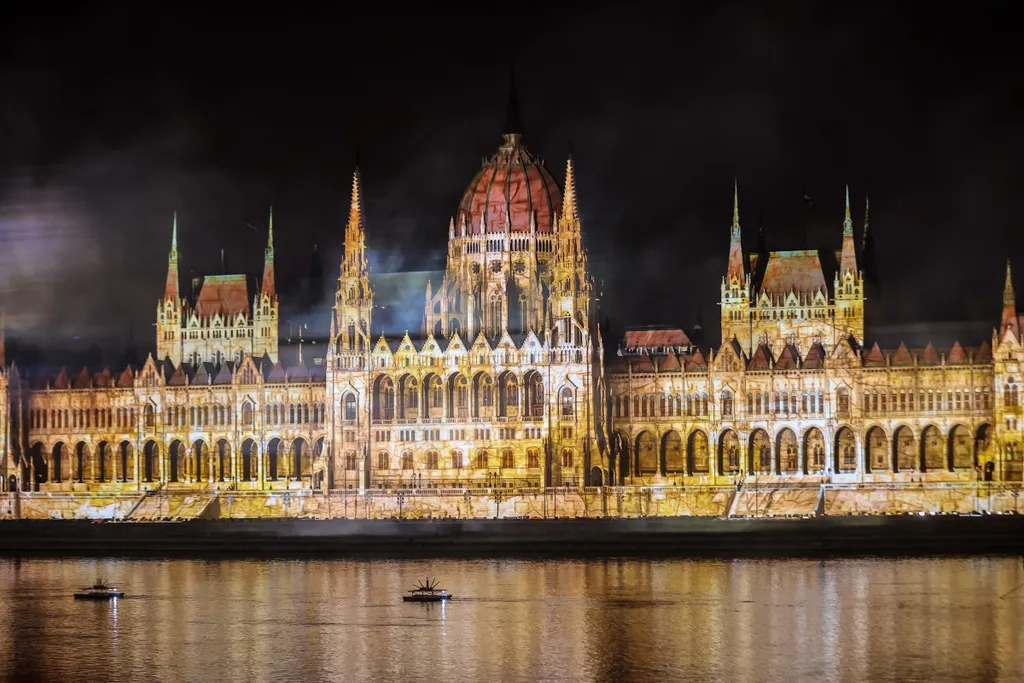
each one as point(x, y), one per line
point(401, 501)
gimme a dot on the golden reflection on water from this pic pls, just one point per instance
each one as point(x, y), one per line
point(194, 620)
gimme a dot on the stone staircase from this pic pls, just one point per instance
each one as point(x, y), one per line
point(175, 506)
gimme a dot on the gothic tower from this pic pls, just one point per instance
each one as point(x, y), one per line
point(169, 308)
point(265, 304)
point(848, 285)
point(348, 357)
point(736, 283)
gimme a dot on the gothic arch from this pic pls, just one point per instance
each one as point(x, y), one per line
point(933, 456)
point(672, 459)
point(788, 452)
point(760, 452)
point(176, 467)
point(845, 453)
point(728, 452)
point(876, 450)
point(814, 451)
point(698, 452)
point(961, 452)
point(646, 453)
point(383, 398)
point(458, 396)
point(904, 454)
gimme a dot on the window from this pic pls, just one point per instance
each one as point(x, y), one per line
point(350, 461)
point(727, 403)
point(508, 460)
point(383, 461)
point(567, 457)
point(533, 458)
point(432, 460)
point(481, 460)
point(567, 402)
point(350, 407)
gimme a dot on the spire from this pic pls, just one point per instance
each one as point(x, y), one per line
point(569, 197)
point(171, 287)
point(735, 207)
point(269, 286)
point(270, 231)
point(354, 262)
point(848, 257)
point(513, 121)
point(847, 222)
point(736, 270)
point(1010, 320)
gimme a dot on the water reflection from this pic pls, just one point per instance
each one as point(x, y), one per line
point(515, 620)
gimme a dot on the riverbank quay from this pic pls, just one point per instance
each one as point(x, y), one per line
point(850, 536)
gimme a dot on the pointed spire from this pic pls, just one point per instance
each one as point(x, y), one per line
point(270, 231)
point(847, 221)
point(513, 120)
point(569, 196)
point(171, 286)
point(355, 212)
point(735, 207)
point(736, 270)
point(848, 256)
point(1008, 296)
point(1010, 320)
point(174, 238)
point(269, 288)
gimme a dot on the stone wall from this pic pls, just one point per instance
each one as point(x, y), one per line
point(631, 502)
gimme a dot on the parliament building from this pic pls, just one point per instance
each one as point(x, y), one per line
point(509, 383)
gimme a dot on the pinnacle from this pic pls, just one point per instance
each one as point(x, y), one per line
point(569, 197)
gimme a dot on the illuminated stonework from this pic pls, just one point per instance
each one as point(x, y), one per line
point(506, 386)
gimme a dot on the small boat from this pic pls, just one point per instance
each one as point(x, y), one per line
point(99, 591)
point(427, 592)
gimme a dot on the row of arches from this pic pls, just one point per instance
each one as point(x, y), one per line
point(108, 462)
point(646, 454)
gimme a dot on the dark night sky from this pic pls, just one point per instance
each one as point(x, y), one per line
point(116, 117)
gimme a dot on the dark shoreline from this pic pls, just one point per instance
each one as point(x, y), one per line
point(646, 537)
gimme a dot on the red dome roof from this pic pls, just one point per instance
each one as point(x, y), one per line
point(512, 182)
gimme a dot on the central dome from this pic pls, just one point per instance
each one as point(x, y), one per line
point(512, 185)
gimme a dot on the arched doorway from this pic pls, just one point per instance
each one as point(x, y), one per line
point(932, 451)
point(596, 477)
point(673, 461)
point(961, 454)
point(814, 451)
point(249, 463)
point(729, 452)
point(904, 453)
point(878, 454)
point(39, 465)
point(175, 461)
point(646, 454)
point(275, 468)
point(301, 467)
point(846, 451)
point(150, 462)
point(760, 455)
point(789, 453)
point(697, 453)
point(222, 461)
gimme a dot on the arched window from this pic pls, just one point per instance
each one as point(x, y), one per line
point(406, 460)
point(481, 460)
point(150, 415)
point(350, 461)
point(247, 414)
point(567, 457)
point(457, 461)
point(350, 407)
point(508, 459)
point(532, 458)
point(568, 404)
point(383, 461)
point(727, 403)
point(432, 460)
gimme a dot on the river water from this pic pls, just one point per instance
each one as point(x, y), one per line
point(608, 620)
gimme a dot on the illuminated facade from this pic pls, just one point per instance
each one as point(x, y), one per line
point(505, 385)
